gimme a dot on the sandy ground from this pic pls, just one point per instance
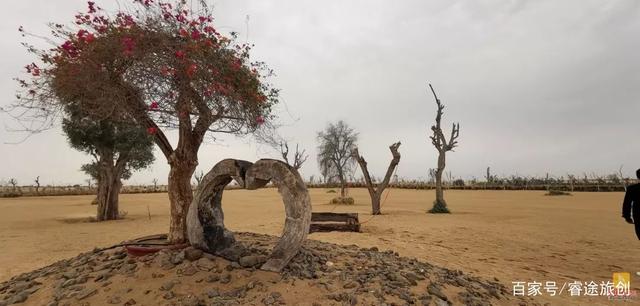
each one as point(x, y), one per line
point(510, 235)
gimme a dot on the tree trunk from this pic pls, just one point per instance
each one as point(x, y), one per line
point(109, 186)
point(439, 172)
point(376, 192)
point(439, 205)
point(343, 185)
point(180, 196)
point(375, 203)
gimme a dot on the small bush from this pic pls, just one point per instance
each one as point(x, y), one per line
point(557, 193)
point(343, 200)
point(10, 195)
point(331, 191)
point(439, 208)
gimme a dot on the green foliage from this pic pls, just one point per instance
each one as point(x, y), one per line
point(335, 145)
point(10, 194)
point(111, 141)
point(557, 193)
point(343, 200)
point(458, 182)
point(439, 207)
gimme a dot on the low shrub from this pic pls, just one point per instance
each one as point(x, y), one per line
point(439, 208)
point(10, 195)
point(557, 193)
point(343, 200)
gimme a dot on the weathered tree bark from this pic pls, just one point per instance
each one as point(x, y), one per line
point(439, 172)
point(180, 196)
point(108, 199)
point(376, 192)
point(109, 185)
point(205, 220)
point(343, 184)
point(297, 204)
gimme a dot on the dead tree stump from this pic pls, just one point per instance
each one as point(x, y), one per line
point(205, 219)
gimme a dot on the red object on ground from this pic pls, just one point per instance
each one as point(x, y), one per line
point(151, 244)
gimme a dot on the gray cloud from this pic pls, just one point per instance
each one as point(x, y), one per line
point(538, 86)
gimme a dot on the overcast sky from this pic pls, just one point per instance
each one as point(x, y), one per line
point(537, 86)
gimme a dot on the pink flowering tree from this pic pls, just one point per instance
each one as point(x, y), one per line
point(156, 64)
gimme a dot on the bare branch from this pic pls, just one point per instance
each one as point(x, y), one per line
point(375, 192)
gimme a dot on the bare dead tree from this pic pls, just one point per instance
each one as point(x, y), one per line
point(376, 192)
point(432, 175)
point(622, 179)
point(14, 183)
point(37, 181)
point(299, 157)
point(443, 145)
point(155, 184)
point(335, 145)
point(198, 177)
point(572, 179)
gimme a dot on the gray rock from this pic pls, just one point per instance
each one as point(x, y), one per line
point(18, 298)
point(166, 286)
point(236, 293)
point(177, 258)
point(118, 256)
point(205, 264)
point(101, 277)
point(114, 299)
point(213, 293)
point(440, 302)
point(435, 290)
point(252, 260)
point(69, 283)
point(225, 279)
point(169, 295)
point(188, 270)
point(191, 300)
point(70, 274)
point(86, 293)
point(212, 278)
point(350, 285)
point(192, 254)
point(20, 286)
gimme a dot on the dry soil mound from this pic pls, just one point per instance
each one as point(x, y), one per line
point(321, 274)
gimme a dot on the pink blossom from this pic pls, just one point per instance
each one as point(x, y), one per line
point(92, 8)
point(128, 44)
point(191, 69)
point(89, 38)
point(195, 34)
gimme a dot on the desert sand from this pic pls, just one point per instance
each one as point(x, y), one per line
point(507, 235)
